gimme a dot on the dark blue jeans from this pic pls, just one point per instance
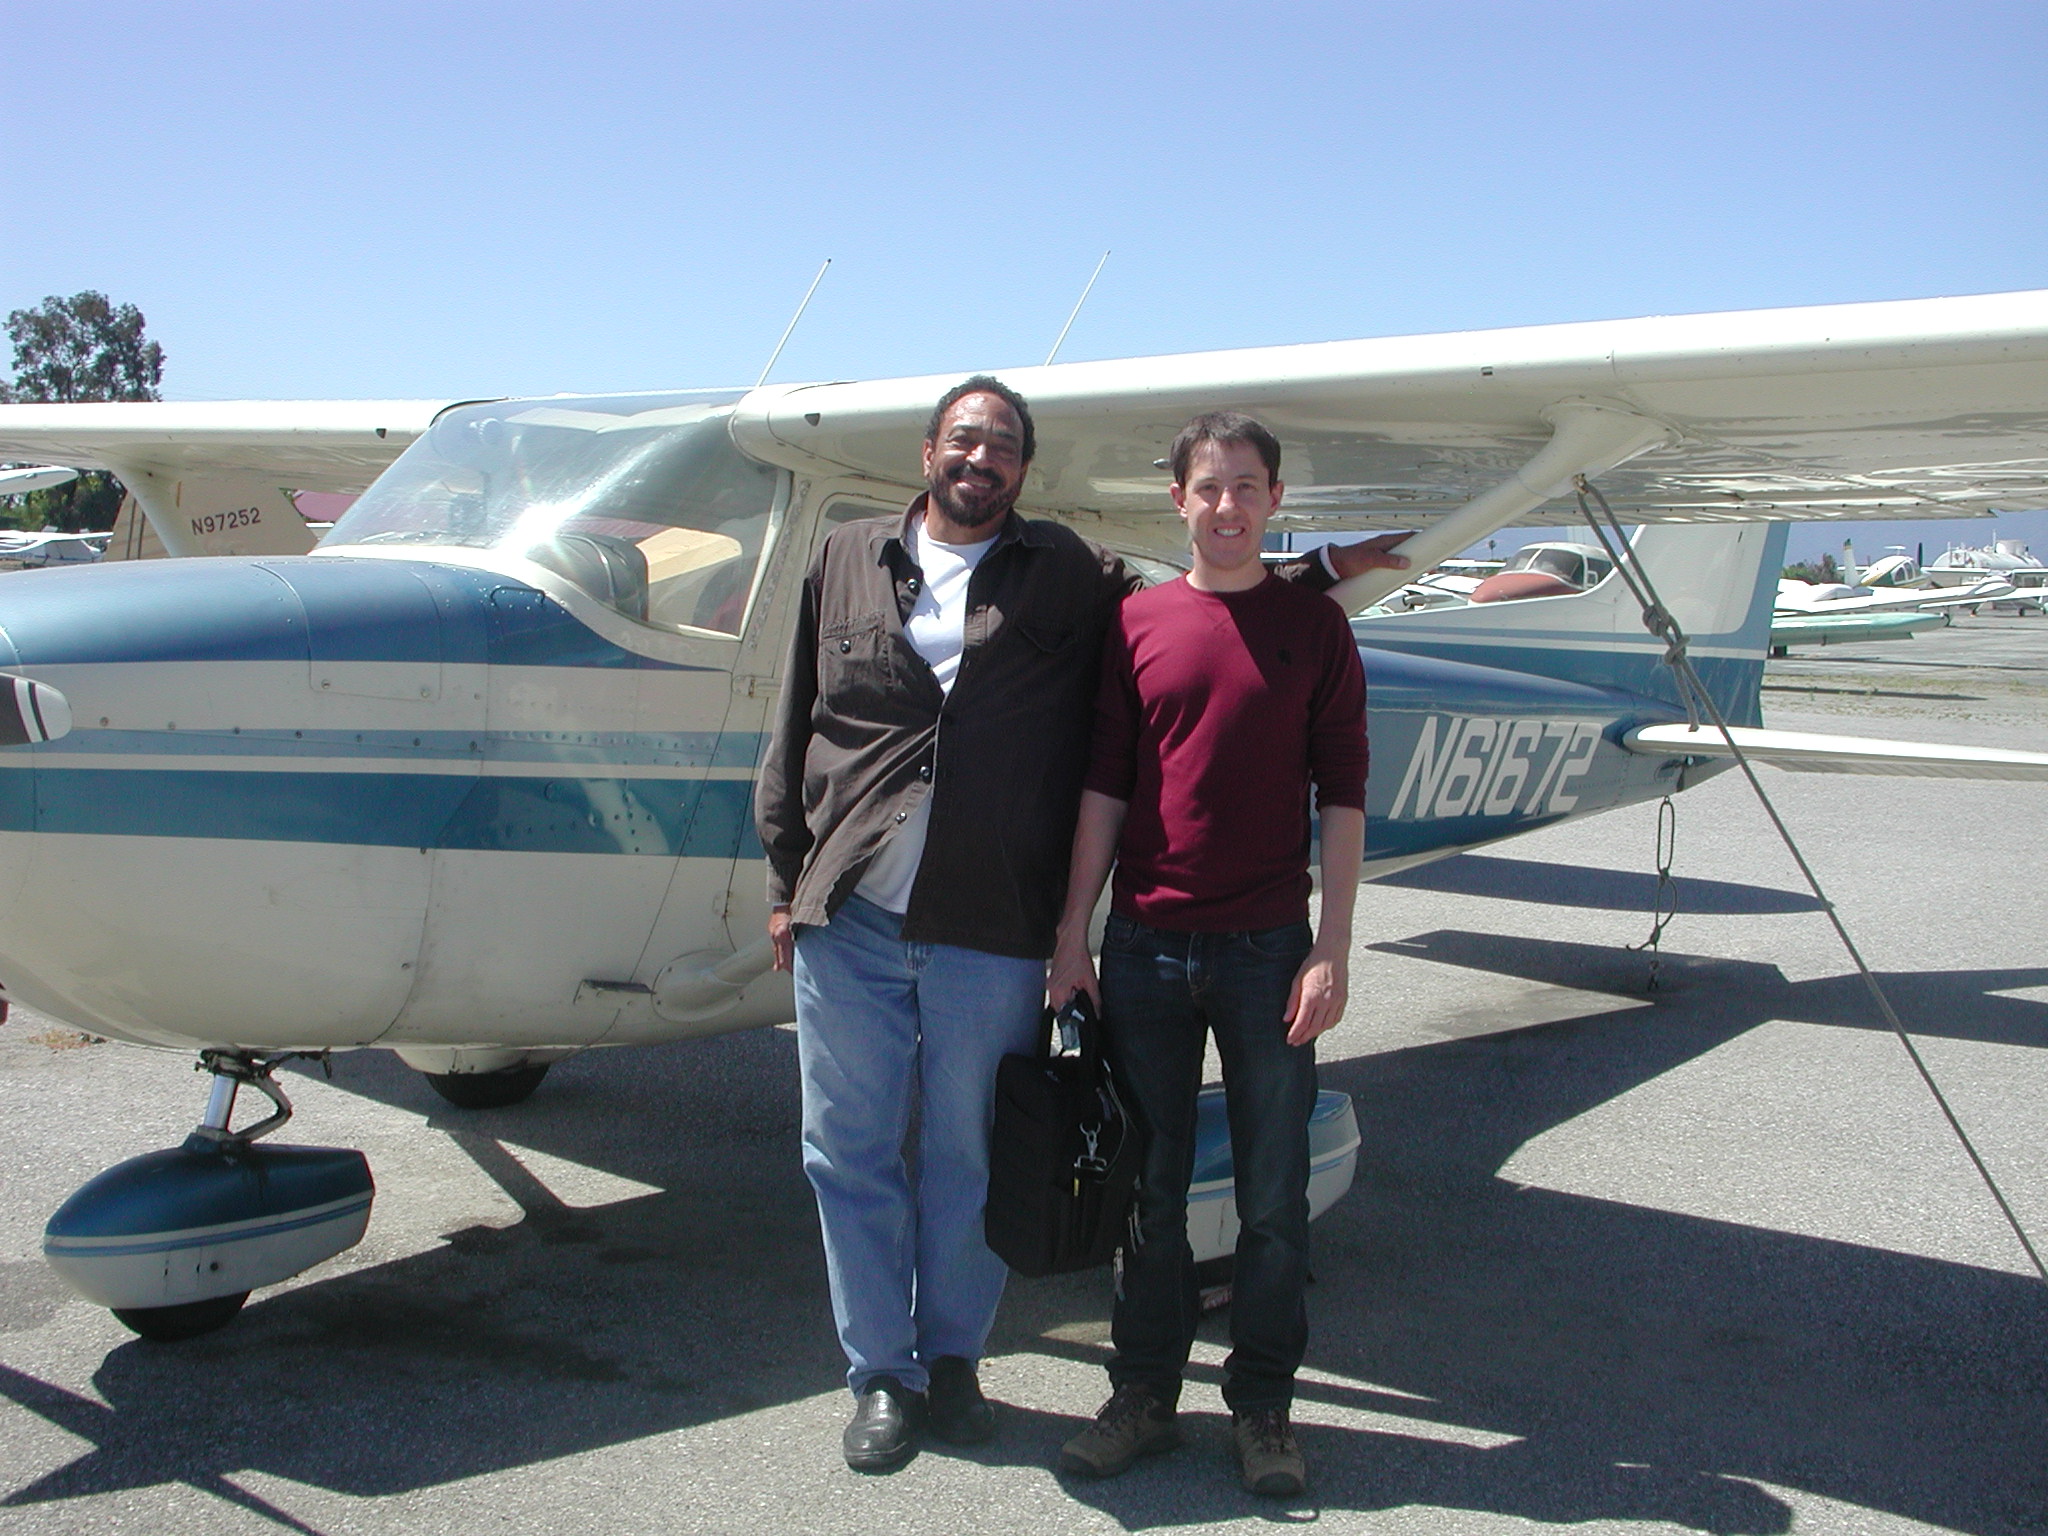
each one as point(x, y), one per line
point(1161, 993)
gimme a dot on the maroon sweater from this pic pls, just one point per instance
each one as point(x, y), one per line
point(1216, 711)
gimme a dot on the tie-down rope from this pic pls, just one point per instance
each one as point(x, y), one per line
point(1665, 905)
point(1658, 620)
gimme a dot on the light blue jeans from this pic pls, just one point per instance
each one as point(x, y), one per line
point(883, 1026)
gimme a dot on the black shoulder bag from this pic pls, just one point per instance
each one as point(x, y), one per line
point(1064, 1162)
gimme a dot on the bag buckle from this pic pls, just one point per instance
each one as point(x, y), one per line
point(1090, 1162)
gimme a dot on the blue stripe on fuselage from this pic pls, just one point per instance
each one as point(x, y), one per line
point(593, 803)
point(329, 608)
point(700, 818)
point(1624, 667)
point(586, 749)
point(1402, 682)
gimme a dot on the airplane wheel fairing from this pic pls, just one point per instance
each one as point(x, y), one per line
point(487, 1090)
point(1333, 1143)
point(199, 1224)
point(167, 1325)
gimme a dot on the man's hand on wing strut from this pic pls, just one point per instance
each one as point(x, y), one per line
point(1376, 554)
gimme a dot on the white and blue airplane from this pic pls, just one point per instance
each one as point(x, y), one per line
point(471, 781)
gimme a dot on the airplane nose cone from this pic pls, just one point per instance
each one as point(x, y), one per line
point(31, 712)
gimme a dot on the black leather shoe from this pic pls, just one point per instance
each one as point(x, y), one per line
point(958, 1413)
point(881, 1434)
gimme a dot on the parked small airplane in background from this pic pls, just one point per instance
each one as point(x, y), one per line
point(1959, 565)
point(471, 782)
point(1891, 599)
point(21, 551)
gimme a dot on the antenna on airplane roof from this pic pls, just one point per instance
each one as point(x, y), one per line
point(772, 356)
point(1055, 352)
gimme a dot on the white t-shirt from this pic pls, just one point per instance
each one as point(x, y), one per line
point(936, 631)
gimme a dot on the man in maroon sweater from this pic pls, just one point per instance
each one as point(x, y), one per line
point(1224, 696)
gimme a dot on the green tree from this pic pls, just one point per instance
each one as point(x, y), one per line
point(1821, 570)
point(82, 348)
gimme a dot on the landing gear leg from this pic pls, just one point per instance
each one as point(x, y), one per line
point(230, 1070)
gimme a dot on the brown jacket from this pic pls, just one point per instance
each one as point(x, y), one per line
point(863, 731)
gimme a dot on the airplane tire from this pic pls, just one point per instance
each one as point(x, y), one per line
point(487, 1090)
point(187, 1320)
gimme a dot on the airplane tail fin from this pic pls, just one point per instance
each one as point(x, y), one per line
point(1719, 580)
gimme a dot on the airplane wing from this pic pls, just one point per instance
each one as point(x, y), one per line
point(214, 476)
point(1926, 408)
point(308, 445)
point(1966, 597)
point(1922, 408)
point(1803, 753)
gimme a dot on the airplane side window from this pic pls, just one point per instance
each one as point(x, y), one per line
point(841, 510)
point(642, 501)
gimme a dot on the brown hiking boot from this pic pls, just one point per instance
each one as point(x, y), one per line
point(1266, 1452)
point(1133, 1423)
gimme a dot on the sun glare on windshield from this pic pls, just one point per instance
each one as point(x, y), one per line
point(642, 501)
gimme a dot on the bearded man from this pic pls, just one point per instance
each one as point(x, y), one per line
point(917, 806)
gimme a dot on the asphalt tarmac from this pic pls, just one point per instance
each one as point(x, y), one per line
point(1703, 1257)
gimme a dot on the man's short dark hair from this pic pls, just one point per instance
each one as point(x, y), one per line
point(985, 384)
point(1224, 427)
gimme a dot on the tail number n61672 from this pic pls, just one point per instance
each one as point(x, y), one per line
point(1490, 765)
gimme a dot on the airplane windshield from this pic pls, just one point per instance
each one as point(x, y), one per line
point(1581, 570)
point(641, 500)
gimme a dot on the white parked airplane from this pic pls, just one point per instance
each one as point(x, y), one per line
point(1834, 597)
point(1959, 565)
point(23, 551)
point(24, 478)
point(471, 782)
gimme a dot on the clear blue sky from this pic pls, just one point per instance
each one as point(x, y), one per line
point(428, 199)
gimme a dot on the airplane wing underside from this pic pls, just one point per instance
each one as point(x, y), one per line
point(1804, 753)
point(1927, 408)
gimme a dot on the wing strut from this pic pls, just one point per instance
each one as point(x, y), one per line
point(1657, 618)
point(1587, 438)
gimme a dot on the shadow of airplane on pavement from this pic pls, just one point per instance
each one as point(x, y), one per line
point(1575, 885)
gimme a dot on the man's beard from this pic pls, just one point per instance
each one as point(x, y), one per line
point(981, 506)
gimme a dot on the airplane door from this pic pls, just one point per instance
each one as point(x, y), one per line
point(716, 906)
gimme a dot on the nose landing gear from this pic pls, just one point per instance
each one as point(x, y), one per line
point(173, 1242)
